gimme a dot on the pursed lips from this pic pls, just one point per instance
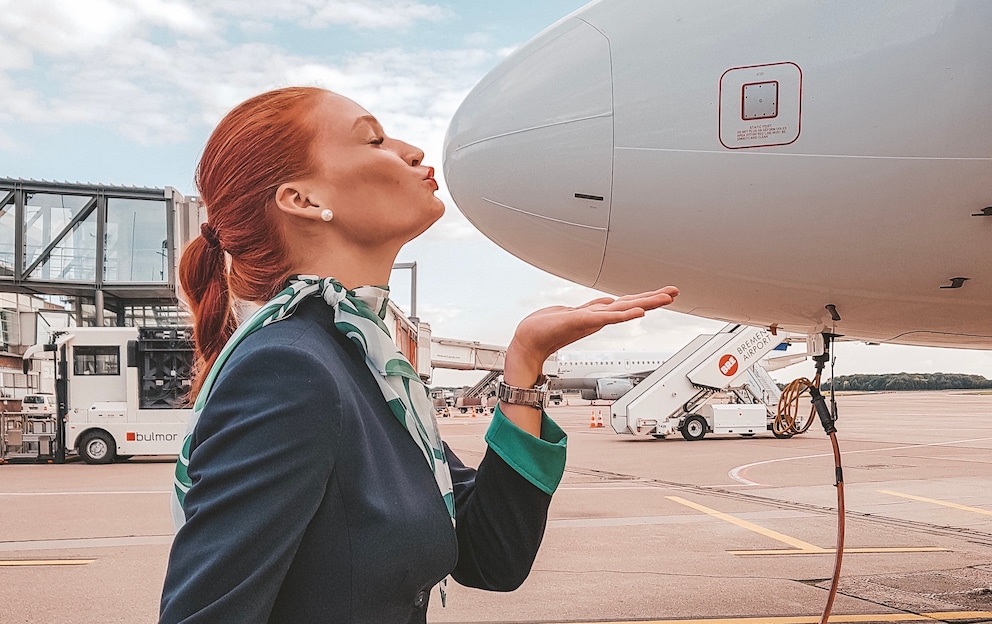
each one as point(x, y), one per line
point(430, 177)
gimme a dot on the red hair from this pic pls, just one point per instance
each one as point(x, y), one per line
point(261, 144)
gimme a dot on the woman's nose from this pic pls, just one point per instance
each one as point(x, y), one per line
point(412, 155)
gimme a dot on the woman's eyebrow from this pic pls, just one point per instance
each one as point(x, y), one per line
point(369, 119)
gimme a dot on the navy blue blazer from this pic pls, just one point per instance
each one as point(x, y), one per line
point(310, 502)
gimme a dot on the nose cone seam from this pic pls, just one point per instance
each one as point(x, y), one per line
point(528, 156)
point(539, 127)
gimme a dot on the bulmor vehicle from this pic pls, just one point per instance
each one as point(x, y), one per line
point(124, 390)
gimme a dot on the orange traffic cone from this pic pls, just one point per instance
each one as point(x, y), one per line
point(599, 419)
point(592, 420)
point(473, 412)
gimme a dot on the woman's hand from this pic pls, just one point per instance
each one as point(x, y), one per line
point(550, 329)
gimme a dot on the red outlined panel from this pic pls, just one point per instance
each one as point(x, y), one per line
point(743, 126)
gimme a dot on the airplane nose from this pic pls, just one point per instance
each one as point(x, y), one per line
point(528, 156)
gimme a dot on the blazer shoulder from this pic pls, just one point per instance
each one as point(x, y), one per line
point(309, 331)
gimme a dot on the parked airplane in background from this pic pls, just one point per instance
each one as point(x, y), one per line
point(798, 165)
point(603, 375)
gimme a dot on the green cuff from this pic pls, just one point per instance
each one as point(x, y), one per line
point(539, 460)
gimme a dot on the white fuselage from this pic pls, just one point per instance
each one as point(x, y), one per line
point(770, 159)
point(579, 370)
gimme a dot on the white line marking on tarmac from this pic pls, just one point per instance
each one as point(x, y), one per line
point(606, 488)
point(941, 616)
point(93, 493)
point(956, 459)
point(46, 562)
point(737, 473)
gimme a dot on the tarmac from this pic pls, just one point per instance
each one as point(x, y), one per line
point(725, 530)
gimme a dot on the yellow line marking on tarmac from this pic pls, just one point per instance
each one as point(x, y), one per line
point(799, 547)
point(744, 524)
point(943, 616)
point(45, 562)
point(830, 551)
point(937, 502)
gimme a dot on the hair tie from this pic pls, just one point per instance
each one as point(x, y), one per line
point(209, 234)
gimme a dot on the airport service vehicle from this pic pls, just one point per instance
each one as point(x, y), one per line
point(638, 143)
point(465, 403)
point(121, 390)
point(38, 403)
point(677, 397)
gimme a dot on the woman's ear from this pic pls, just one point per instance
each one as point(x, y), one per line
point(293, 200)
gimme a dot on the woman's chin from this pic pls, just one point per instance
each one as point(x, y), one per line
point(434, 218)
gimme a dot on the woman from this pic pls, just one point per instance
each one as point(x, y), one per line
point(317, 488)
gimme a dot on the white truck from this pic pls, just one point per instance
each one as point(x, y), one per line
point(122, 391)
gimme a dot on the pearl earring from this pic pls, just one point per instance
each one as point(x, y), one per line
point(326, 214)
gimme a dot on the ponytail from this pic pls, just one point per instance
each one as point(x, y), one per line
point(204, 280)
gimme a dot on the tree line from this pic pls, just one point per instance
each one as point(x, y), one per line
point(909, 381)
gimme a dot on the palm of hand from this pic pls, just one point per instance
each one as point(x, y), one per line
point(547, 330)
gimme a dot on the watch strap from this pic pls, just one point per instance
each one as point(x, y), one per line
point(515, 395)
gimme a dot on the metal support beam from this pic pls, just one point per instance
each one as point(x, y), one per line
point(170, 250)
point(101, 244)
point(79, 218)
point(413, 285)
point(6, 199)
point(98, 302)
point(18, 232)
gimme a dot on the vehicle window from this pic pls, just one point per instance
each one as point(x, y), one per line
point(96, 360)
point(33, 399)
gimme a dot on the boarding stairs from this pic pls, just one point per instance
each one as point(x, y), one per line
point(725, 362)
point(485, 387)
point(760, 388)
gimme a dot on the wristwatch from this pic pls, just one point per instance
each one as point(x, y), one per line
point(531, 397)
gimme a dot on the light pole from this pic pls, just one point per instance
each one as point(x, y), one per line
point(413, 285)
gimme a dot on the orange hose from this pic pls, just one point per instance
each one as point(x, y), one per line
point(786, 421)
point(841, 513)
point(785, 425)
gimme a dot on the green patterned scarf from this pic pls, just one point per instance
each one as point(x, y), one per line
point(358, 315)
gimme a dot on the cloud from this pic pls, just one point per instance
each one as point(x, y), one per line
point(67, 29)
point(194, 92)
point(393, 15)
point(436, 314)
point(358, 14)
point(14, 55)
point(162, 71)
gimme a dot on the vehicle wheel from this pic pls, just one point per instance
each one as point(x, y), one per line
point(694, 428)
point(463, 410)
point(98, 448)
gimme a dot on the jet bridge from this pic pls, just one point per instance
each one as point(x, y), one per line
point(466, 355)
point(677, 396)
point(108, 250)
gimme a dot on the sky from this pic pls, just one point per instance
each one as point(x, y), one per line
point(126, 92)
